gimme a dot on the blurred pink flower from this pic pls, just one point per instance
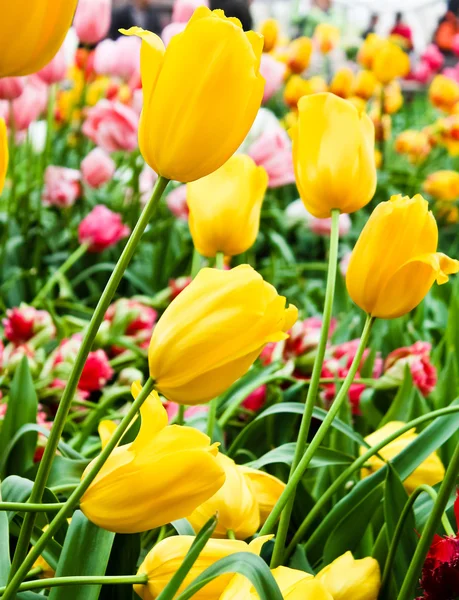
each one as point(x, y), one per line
point(136, 319)
point(423, 72)
point(97, 168)
point(62, 186)
point(172, 410)
point(273, 151)
point(55, 70)
point(344, 263)
point(304, 336)
point(92, 20)
point(273, 72)
point(433, 57)
point(24, 322)
point(177, 286)
point(101, 229)
point(147, 182)
point(11, 87)
point(323, 226)
point(452, 73)
point(170, 30)
point(177, 204)
point(417, 358)
point(183, 10)
point(29, 106)
point(112, 126)
point(120, 58)
point(256, 399)
point(455, 46)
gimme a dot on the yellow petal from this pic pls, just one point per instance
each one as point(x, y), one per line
point(347, 578)
point(267, 490)
point(106, 429)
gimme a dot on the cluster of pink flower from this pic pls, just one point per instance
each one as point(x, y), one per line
point(431, 62)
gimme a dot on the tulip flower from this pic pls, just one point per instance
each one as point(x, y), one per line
point(167, 556)
point(97, 168)
point(230, 316)
point(443, 185)
point(368, 50)
point(333, 155)
point(3, 153)
point(299, 54)
point(444, 93)
point(414, 144)
point(347, 578)
point(269, 29)
point(390, 62)
point(92, 20)
point(389, 284)
point(293, 584)
point(163, 475)
point(326, 37)
point(430, 472)
point(365, 84)
point(197, 112)
point(31, 34)
point(11, 87)
point(342, 82)
point(225, 207)
point(266, 488)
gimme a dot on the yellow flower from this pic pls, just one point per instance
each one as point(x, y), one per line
point(347, 578)
point(390, 62)
point(378, 158)
point(210, 335)
point(299, 54)
point(225, 207)
point(342, 82)
point(267, 490)
point(415, 144)
point(297, 87)
point(430, 472)
point(446, 133)
point(167, 556)
point(365, 84)
point(383, 126)
point(395, 261)
point(3, 154)
point(359, 103)
point(443, 185)
point(106, 429)
point(201, 95)
point(326, 37)
point(270, 30)
point(163, 475)
point(31, 33)
point(393, 98)
point(444, 93)
point(368, 50)
point(333, 155)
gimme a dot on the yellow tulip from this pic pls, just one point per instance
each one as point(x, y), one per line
point(299, 54)
point(293, 584)
point(31, 33)
point(430, 472)
point(167, 556)
point(393, 98)
point(296, 88)
point(378, 158)
point(333, 155)
point(3, 154)
point(106, 429)
point(415, 144)
point(210, 335)
point(197, 111)
point(390, 62)
point(267, 490)
point(444, 93)
point(395, 261)
point(342, 82)
point(225, 207)
point(443, 185)
point(270, 30)
point(347, 578)
point(368, 50)
point(326, 37)
point(163, 475)
point(365, 84)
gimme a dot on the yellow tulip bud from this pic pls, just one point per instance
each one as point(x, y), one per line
point(270, 31)
point(299, 54)
point(444, 93)
point(225, 207)
point(347, 578)
point(389, 284)
point(326, 37)
point(197, 111)
point(266, 488)
point(390, 62)
point(296, 88)
point(333, 155)
point(167, 556)
point(210, 335)
point(163, 475)
point(106, 429)
point(342, 82)
point(293, 584)
point(365, 84)
point(393, 98)
point(368, 50)
point(443, 185)
point(3, 154)
point(32, 33)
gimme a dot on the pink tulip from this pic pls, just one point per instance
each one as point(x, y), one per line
point(30, 105)
point(433, 57)
point(323, 226)
point(170, 30)
point(97, 168)
point(451, 73)
point(192, 411)
point(176, 203)
point(147, 182)
point(92, 20)
point(24, 322)
point(62, 187)
point(455, 46)
point(112, 126)
point(417, 358)
point(256, 399)
point(118, 59)
point(55, 70)
point(11, 87)
point(273, 72)
point(105, 57)
point(423, 72)
point(273, 151)
point(344, 263)
point(183, 10)
point(101, 229)
point(176, 286)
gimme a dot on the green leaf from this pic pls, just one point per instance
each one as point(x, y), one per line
point(183, 527)
point(284, 454)
point(300, 561)
point(5, 562)
point(123, 561)
point(65, 471)
point(85, 552)
point(22, 409)
point(401, 407)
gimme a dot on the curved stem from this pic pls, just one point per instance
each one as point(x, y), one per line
point(28, 507)
point(195, 264)
point(80, 580)
point(414, 570)
point(69, 392)
point(321, 433)
point(313, 388)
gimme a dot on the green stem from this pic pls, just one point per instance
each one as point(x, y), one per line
point(358, 464)
point(230, 534)
point(79, 580)
point(341, 397)
point(75, 497)
point(49, 127)
point(195, 263)
point(70, 389)
point(284, 523)
point(181, 414)
point(414, 570)
point(220, 261)
point(29, 507)
point(68, 264)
